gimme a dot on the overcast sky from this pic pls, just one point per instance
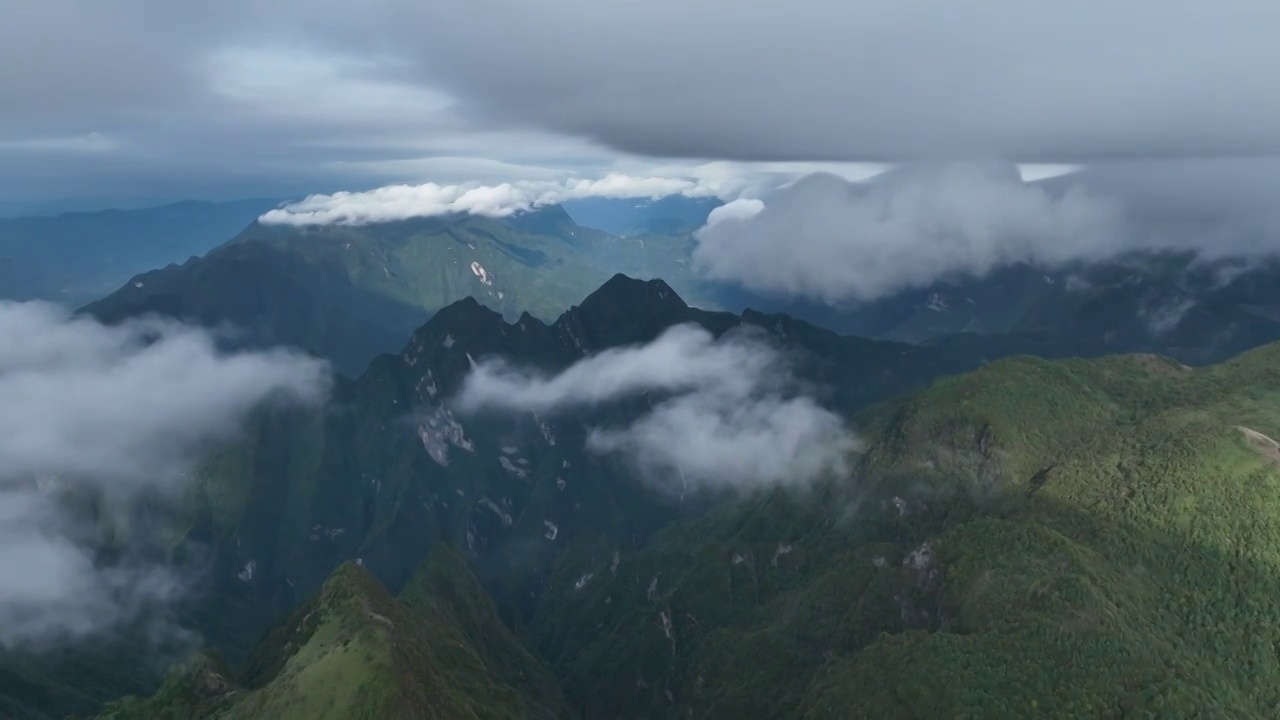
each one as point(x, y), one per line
point(149, 99)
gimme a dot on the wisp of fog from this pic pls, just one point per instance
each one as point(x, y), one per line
point(728, 413)
point(832, 240)
point(112, 412)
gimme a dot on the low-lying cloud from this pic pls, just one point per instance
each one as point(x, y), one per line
point(827, 239)
point(113, 413)
point(718, 179)
point(729, 413)
point(400, 202)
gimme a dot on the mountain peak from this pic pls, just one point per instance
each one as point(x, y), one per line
point(468, 309)
point(624, 290)
point(544, 220)
point(461, 316)
point(623, 310)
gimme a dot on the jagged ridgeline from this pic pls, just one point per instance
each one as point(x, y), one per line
point(353, 651)
point(389, 469)
point(1035, 539)
point(1072, 538)
point(350, 292)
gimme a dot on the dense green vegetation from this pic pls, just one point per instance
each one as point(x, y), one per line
point(353, 652)
point(388, 472)
point(350, 292)
point(306, 491)
point(1173, 303)
point(1035, 538)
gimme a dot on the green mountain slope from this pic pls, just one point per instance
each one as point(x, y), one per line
point(1053, 538)
point(1175, 303)
point(351, 292)
point(380, 476)
point(627, 217)
point(1035, 539)
point(266, 296)
point(390, 470)
point(77, 257)
point(353, 651)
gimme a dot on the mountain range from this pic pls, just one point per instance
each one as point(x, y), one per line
point(629, 217)
point(1055, 489)
point(438, 650)
point(350, 292)
point(1029, 529)
point(1060, 539)
point(77, 257)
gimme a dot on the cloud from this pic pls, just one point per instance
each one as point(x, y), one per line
point(240, 100)
point(827, 239)
point(876, 80)
point(53, 590)
point(834, 241)
point(295, 84)
point(114, 413)
point(92, 142)
point(288, 98)
point(399, 202)
point(1221, 207)
point(741, 210)
point(728, 414)
point(724, 180)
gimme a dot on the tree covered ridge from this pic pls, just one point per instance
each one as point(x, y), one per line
point(1051, 539)
point(354, 651)
point(1073, 538)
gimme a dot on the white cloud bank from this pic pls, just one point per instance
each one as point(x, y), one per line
point(400, 202)
point(729, 416)
point(831, 240)
point(111, 411)
point(729, 181)
point(630, 179)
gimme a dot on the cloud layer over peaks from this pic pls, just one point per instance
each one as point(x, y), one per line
point(728, 417)
point(113, 412)
point(400, 202)
point(831, 240)
point(633, 179)
point(306, 95)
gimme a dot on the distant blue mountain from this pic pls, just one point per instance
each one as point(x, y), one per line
point(76, 257)
point(628, 217)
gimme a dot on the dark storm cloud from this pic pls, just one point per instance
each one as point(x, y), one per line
point(285, 92)
point(138, 97)
point(875, 79)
